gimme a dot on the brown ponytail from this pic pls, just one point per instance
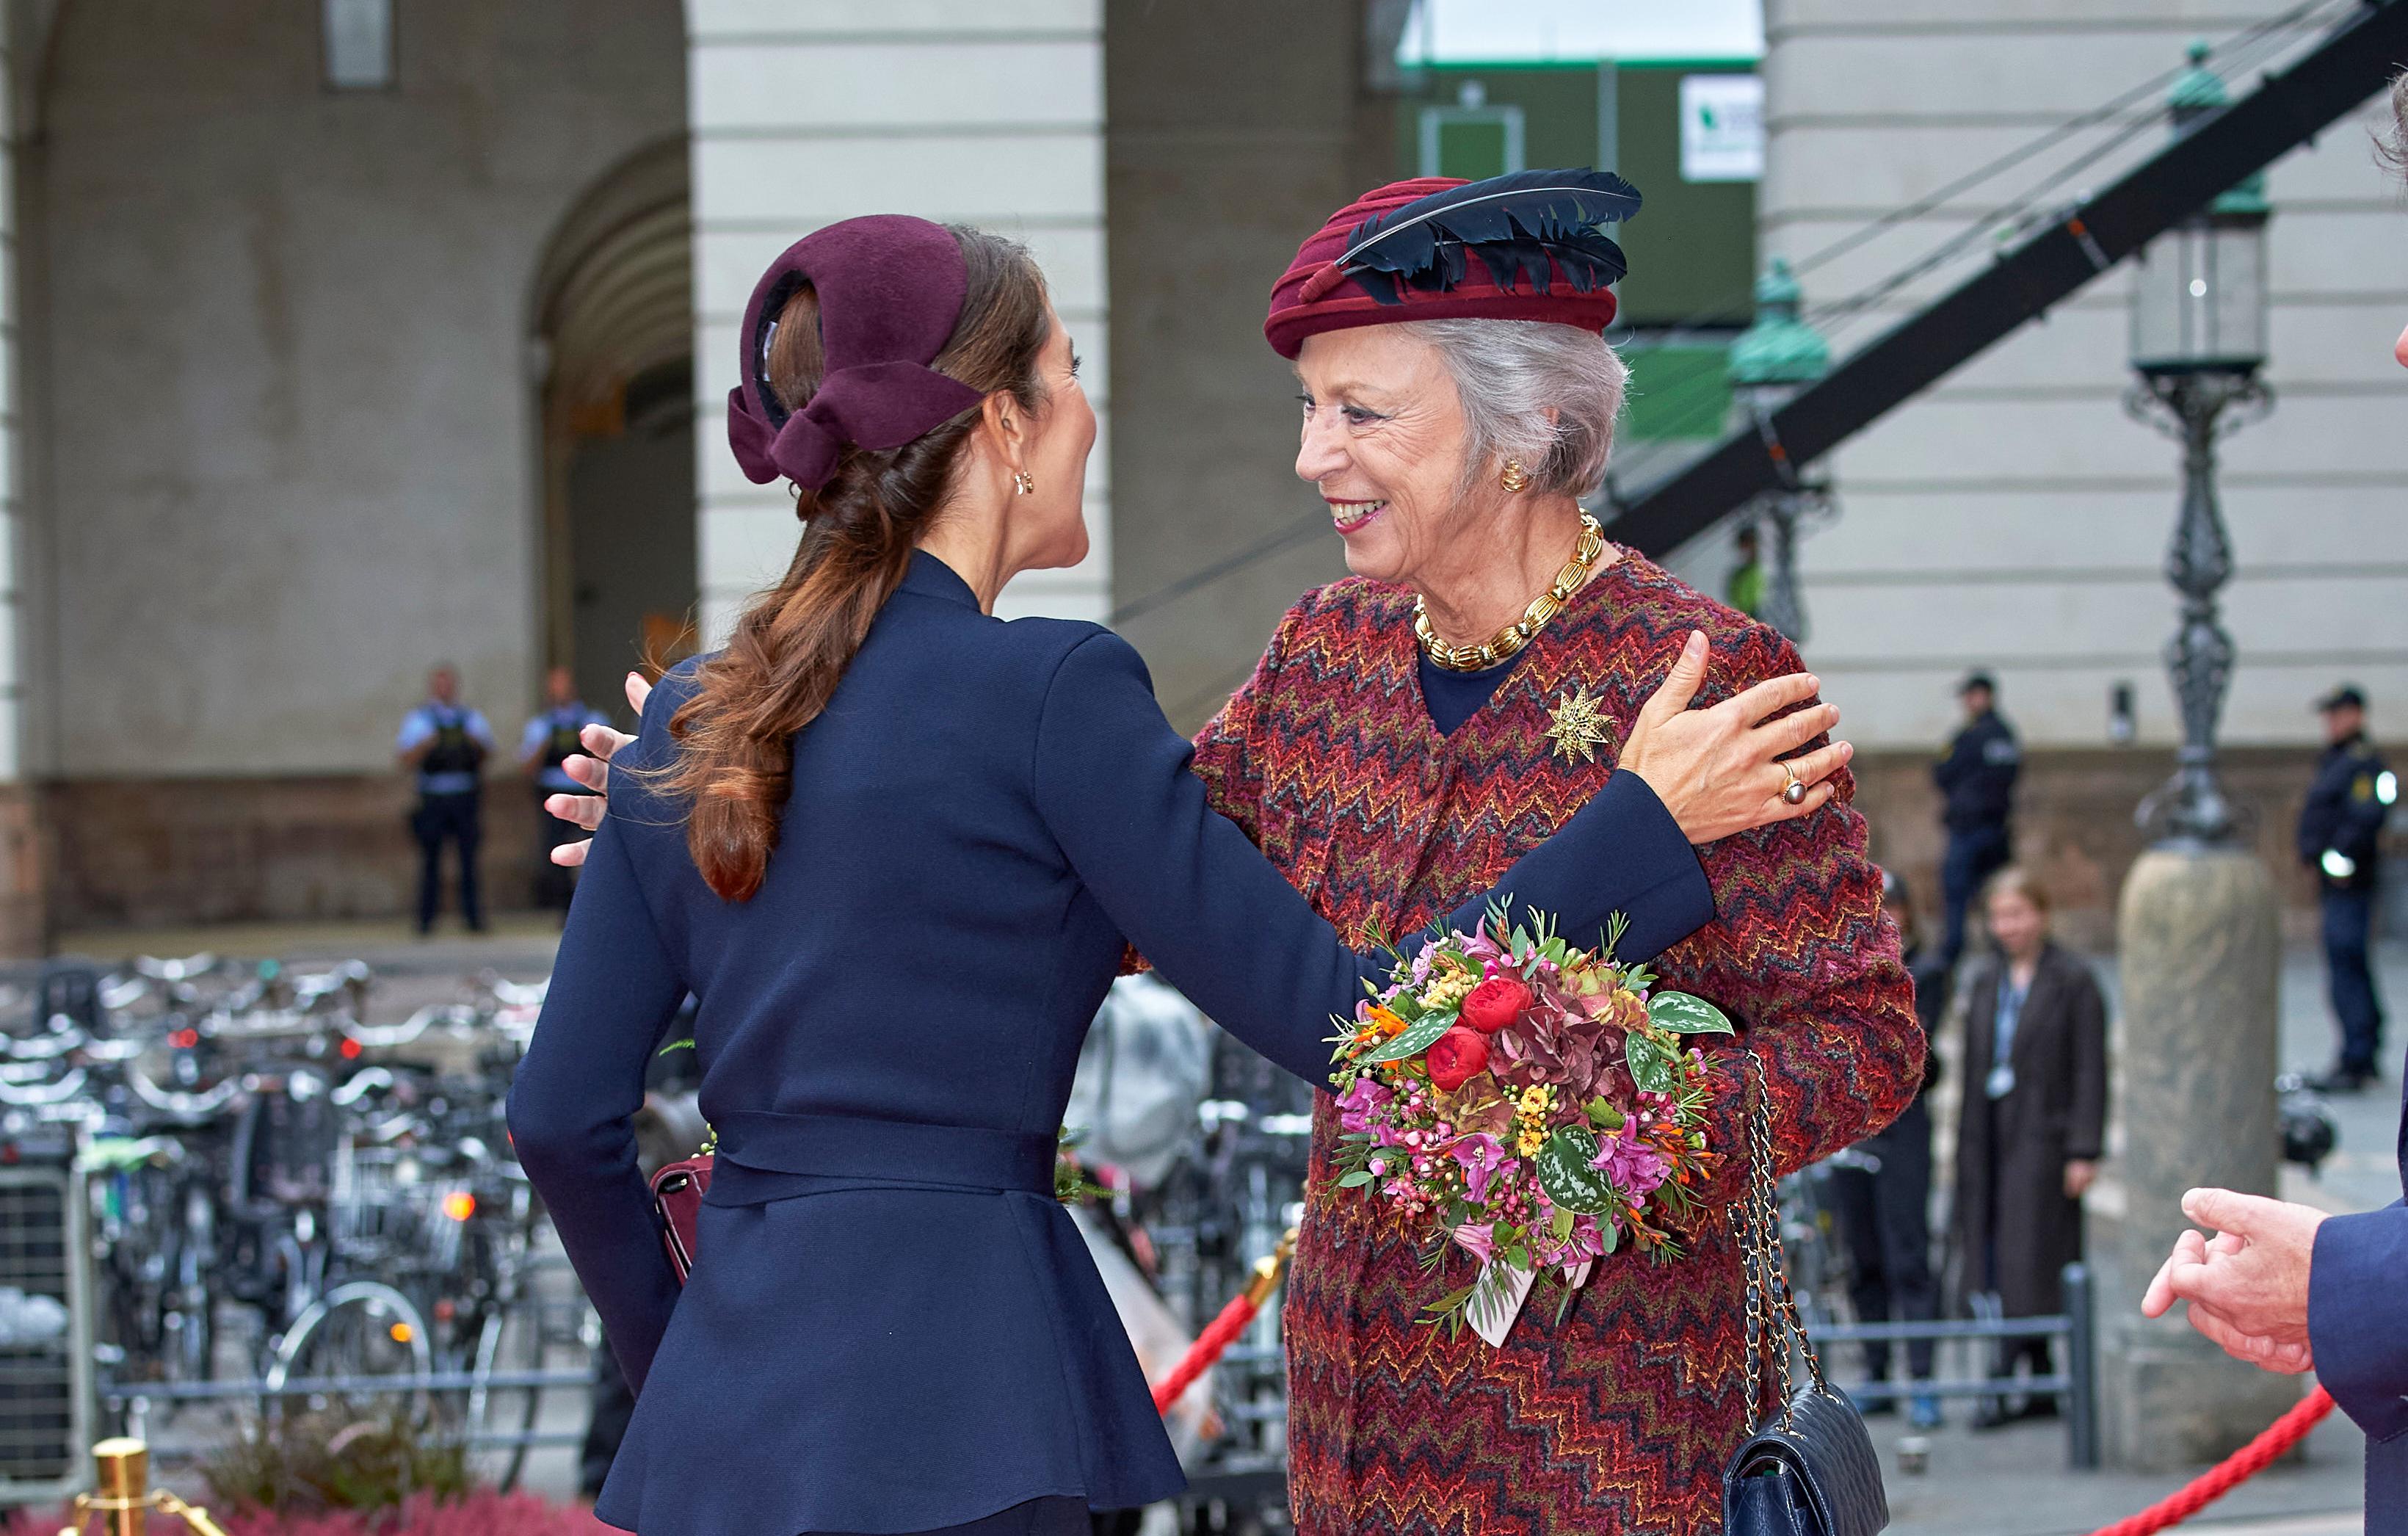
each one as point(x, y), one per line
point(793, 643)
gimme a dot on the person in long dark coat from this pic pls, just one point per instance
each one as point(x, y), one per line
point(2033, 1115)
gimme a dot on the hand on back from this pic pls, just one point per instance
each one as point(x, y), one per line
point(1723, 769)
point(594, 771)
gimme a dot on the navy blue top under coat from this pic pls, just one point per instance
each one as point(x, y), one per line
point(892, 1326)
point(1454, 698)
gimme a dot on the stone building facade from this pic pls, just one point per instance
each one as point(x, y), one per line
point(346, 337)
point(2015, 517)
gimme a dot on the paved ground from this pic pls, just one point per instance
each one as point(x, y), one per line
point(2012, 1482)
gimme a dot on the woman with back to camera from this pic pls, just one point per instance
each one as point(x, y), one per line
point(2032, 1121)
point(898, 848)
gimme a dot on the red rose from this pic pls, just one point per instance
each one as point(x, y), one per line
point(1496, 1003)
point(1455, 1056)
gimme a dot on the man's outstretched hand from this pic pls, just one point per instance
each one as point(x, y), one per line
point(594, 772)
point(2247, 1285)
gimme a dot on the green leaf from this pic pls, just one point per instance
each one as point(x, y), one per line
point(685, 1044)
point(1603, 1114)
point(1562, 1224)
point(1651, 1065)
point(1609, 1236)
point(1405, 1006)
point(1685, 1014)
point(1355, 1179)
point(1420, 1037)
point(1564, 1172)
point(1452, 1300)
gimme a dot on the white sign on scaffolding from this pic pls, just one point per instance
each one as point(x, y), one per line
point(1721, 127)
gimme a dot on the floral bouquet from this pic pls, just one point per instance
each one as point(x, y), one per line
point(1536, 1105)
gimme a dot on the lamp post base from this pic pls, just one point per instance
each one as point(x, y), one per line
point(2199, 946)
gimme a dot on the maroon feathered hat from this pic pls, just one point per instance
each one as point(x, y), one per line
point(890, 290)
point(1403, 252)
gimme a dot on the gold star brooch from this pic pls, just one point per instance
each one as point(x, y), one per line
point(1578, 726)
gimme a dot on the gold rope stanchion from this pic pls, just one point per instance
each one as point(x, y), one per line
point(124, 1494)
point(1234, 1317)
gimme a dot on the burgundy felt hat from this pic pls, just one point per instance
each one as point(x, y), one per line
point(1526, 271)
point(890, 292)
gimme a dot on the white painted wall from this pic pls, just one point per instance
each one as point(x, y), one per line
point(2015, 517)
point(805, 112)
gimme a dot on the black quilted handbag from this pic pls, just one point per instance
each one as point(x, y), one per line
point(1807, 1467)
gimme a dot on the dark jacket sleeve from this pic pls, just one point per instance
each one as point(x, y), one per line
point(2358, 1317)
point(1951, 769)
point(2085, 1123)
point(1186, 888)
point(2358, 819)
point(614, 992)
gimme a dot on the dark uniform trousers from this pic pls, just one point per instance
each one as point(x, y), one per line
point(1884, 1218)
point(454, 818)
point(2339, 840)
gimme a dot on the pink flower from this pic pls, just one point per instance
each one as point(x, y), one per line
point(1479, 1240)
point(1482, 1157)
point(1358, 1104)
point(1631, 1167)
point(1585, 1242)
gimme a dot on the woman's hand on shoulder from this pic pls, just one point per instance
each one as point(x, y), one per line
point(594, 771)
point(1721, 770)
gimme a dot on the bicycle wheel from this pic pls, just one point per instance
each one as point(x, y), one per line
point(357, 1333)
point(509, 1342)
point(190, 1319)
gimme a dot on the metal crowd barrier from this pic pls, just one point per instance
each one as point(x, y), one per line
point(2075, 1386)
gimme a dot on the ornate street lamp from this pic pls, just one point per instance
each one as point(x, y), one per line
point(1772, 361)
point(2198, 341)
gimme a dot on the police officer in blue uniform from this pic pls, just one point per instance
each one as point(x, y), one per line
point(445, 743)
point(550, 739)
point(1978, 777)
point(2339, 828)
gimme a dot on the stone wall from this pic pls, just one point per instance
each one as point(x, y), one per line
point(2074, 826)
point(2014, 517)
point(807, 111)
point(164, 851)
point(288, 451)
point(1220, 160)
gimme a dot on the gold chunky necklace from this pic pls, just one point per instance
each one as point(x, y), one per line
point(1508, 641)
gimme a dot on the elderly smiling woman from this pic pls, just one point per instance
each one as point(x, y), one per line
point(1409, 733)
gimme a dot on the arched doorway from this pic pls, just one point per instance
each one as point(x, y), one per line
point(614, 333)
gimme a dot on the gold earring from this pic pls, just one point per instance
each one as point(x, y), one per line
point(1022, 484)
point(1515, 478)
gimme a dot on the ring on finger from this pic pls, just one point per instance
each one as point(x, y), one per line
point(1794, 791)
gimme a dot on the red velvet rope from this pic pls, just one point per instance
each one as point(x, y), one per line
point(2237, 1469)
point(1207, 1349)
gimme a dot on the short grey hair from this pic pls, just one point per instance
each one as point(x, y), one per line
point(1509, 374)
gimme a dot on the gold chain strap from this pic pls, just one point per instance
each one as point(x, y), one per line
point(1756, 1224)
point(1509, 641)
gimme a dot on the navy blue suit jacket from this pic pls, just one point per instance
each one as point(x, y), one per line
point(892, 1325)
point(2358, 1323)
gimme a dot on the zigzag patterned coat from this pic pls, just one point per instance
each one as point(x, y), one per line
point(1620, 1418)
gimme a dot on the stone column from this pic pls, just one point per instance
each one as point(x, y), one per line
point(804, 113)
point(2194, 1072)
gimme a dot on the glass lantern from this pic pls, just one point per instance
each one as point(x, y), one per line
point(2198, 295)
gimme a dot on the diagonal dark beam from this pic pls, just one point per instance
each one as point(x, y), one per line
point(2355, 61)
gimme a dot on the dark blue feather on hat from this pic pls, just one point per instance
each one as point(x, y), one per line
point(1531, 223)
